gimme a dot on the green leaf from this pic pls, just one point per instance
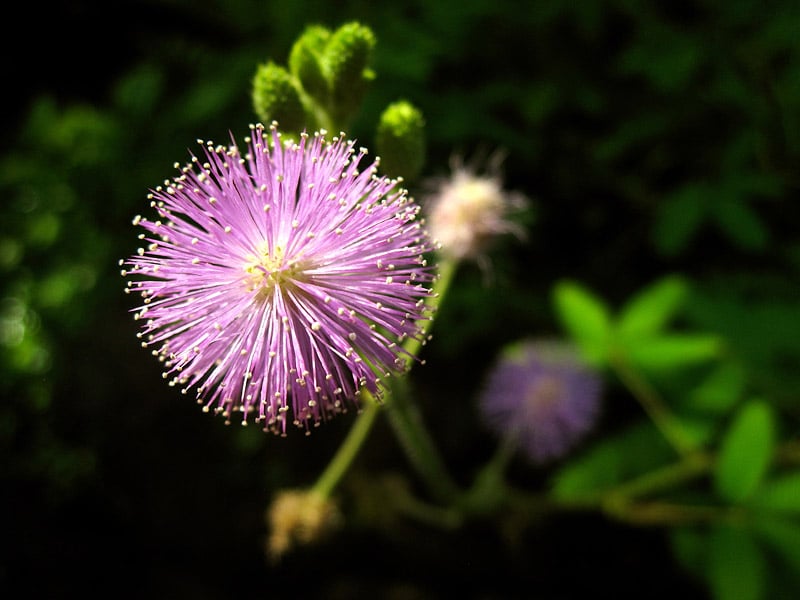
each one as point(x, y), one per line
point(780, 494)
point(647, 312)
point(741, 223)
point(586, 318)
point(679, 217)
point(736, 567)
point(632, 452)
point(720, 391)
point(696, 430)
point(690, 548)
point(138, 92)
point(745, 452)
point(783, 536)
point(667, 352)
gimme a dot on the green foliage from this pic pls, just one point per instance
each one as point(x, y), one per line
point(679, 218)
point(783, 537)
point(652, 308)
point(781, 494)
point(725, 203)
point(719, 391)
point(737, 568)
point(618, 458)
point(635, 335)
point(672, 351)
point(746, 452)
point(757, 560)
point(586, 318)
point(654, 138)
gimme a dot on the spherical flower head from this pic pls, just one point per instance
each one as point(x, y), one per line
point(280, 281)
point(541, 396)
point(467, 211)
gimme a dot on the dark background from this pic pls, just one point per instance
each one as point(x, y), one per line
point(627, 123)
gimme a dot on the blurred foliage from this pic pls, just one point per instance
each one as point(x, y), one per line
point(660, 143)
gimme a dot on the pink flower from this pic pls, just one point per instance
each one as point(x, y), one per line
point(281, 280)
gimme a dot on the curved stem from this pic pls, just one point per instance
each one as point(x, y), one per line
point(419, 446)
point(664, 478)
point(349, 449)
point(447, 270)
point(404, 416)
point(653, 405)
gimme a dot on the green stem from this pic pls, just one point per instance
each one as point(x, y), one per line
point(418, 445)
point(447, 270)
point(489, 490)
point(406, 420)
point(664, 478)
point(652, 404)
point(409, 426)
point(669, 514)
point(347, 452)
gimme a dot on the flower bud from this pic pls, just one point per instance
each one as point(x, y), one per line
point(348, 55)
point(306, 61)
point(276, 97)
point(400, 140)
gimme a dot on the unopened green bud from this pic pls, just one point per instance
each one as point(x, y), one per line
point(276, 97)
point(348, 56)
point(306, 61)
point(400, 140)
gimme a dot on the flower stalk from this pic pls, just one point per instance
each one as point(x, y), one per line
point(404, 418)
point(348, 450)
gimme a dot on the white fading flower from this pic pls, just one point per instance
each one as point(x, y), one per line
point(467, 210)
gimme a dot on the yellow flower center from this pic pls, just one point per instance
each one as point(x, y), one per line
point(270, 269)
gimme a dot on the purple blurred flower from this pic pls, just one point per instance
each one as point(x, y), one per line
point(542, 396)
point(280, 279)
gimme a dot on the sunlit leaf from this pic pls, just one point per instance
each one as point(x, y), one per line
point(586, 318)
point(649, 310)
point(745, 452)
point(736, 565)
point(672, 351)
